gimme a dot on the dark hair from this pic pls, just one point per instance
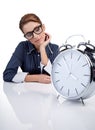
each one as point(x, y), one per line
point(27, 18)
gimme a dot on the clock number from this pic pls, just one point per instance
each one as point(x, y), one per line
point(56, 72)
point(57, 80)
point(68, 92)
point(86, 75)
point(71, 55)
point(85, 65)
point(61, 88)
point(59, 64)
point(76, 91)
point(64, 58)
point(79, 58)
point(83, 85)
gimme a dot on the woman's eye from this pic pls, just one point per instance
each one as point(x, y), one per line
point(29, 34)
point(37, 29)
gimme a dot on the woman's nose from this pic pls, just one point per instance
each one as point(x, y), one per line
point(35, 35)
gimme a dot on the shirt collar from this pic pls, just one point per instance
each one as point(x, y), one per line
point(31, 48)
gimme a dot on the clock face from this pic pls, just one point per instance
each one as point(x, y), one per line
point(71, 73)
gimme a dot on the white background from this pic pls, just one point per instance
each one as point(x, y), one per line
point(62, 18)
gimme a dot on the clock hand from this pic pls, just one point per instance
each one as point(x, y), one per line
point(69, 71)
point(67, 67)
point(73, 76)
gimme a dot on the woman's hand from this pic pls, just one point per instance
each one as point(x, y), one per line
point(47, 40)
point(44, 58)
point(44, 79)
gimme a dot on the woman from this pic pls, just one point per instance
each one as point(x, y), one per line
point(34, 56)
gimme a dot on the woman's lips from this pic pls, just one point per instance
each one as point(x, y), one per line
point(38, 40)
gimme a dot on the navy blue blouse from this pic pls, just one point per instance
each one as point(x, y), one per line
point(28, 59)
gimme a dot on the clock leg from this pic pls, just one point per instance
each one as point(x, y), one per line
point(81, 99)
point(60, 99)
point(58, 96)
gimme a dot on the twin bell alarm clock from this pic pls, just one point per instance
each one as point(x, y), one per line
point(73, 71)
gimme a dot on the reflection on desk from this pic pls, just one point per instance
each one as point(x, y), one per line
point(36, 108)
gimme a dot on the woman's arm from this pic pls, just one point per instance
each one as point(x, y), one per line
point(13, 64)
point(44, 57)
point(41, 78)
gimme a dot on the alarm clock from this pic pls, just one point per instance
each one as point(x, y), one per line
point(73, 71)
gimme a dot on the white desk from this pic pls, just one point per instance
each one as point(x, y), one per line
point(34, 106)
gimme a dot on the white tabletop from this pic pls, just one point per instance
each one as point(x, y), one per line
point(34, 106)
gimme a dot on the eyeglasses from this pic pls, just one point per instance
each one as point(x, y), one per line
point(36, 30)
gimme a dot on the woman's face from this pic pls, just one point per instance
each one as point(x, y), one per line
point(35, 33)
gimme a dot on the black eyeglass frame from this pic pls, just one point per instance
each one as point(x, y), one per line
point(31, 32)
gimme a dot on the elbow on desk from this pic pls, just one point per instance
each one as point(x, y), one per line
point(7, 77)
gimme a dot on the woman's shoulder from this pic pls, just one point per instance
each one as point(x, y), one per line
point(25, 45)
point(53, 45)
